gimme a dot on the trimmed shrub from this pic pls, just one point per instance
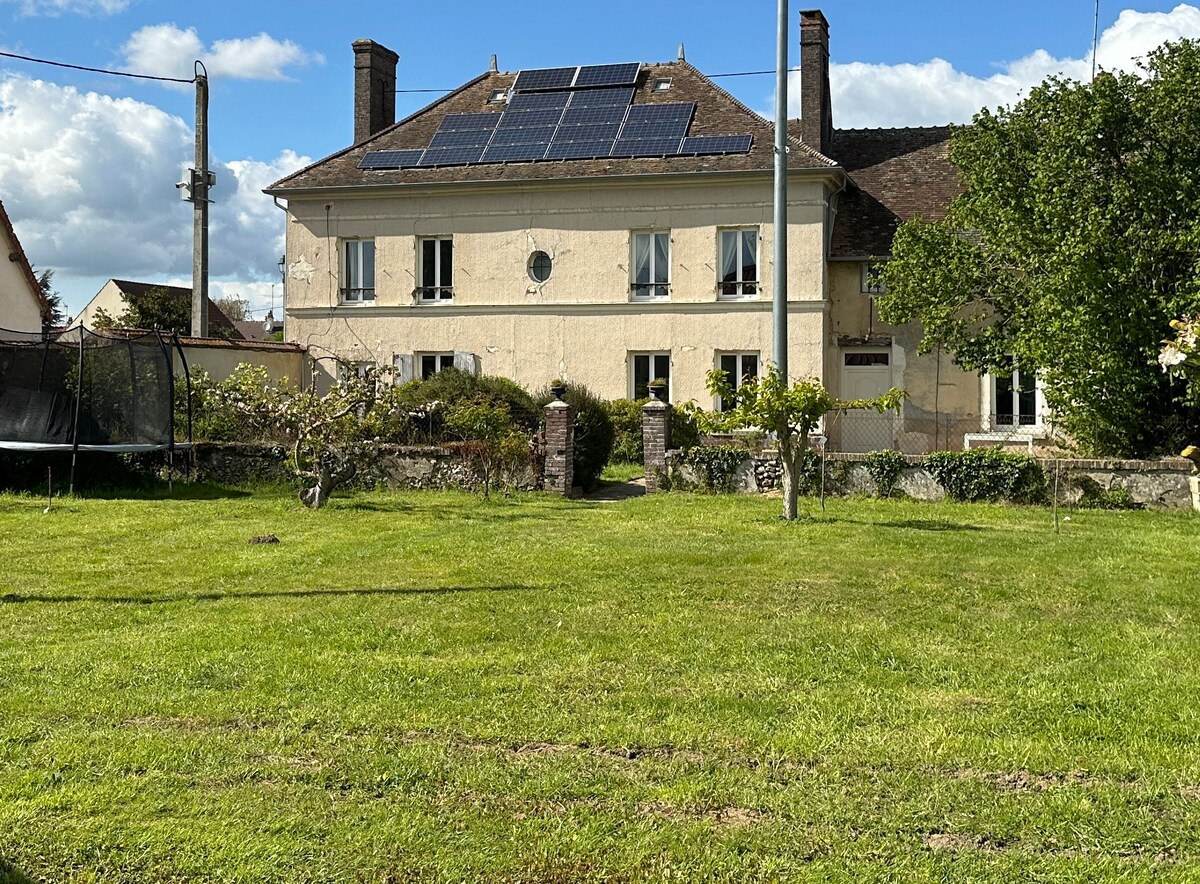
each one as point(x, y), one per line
point(626, 418)
point(451, 386)
point(988, 474)
point(885, 467)
point(593, 432)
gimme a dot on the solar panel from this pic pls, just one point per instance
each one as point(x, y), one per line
point(530, 135)
point(655, 129)
point(601, 98)
point(390, 159)
point(579, 150)
point(608, 75)
point(464, 138)
point(524, 101)
point(675, 110)
point(716, 144)
point(530, 118)
point(578, 116)
point(459, 122)
point(514, 153)
point(544, 78)
point(593, 132)
point(646, 147)
point(452, 156)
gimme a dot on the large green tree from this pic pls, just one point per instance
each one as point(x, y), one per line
point(1074, 242)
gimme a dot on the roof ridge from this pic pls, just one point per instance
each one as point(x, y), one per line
point(385, 130)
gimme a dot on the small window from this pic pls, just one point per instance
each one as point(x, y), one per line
point(739, 263)
point(540, 265)
point(436, 270)
point(1014, 397)
point(872, 282)
point(859, 360)
point(429, 364)
point(498, 96)
point(651, 265)
point(738, 368)
point(647, 367)
point(358, 271)
point(662, 84)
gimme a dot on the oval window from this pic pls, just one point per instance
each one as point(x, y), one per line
point(540, 266)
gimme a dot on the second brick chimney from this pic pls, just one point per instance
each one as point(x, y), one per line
point(816, 111)
point(374, 88)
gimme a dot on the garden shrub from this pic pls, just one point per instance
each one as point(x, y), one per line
point(1093, 496)
point(988, 474)
point(716, 467)
point(626, 418)
point(593, 432)
point(451, 386)
point(885, 467)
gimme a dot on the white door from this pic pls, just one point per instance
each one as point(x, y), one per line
point(865, 375)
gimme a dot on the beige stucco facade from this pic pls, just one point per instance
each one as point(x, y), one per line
point(582, 323)
point(20, 308)
point(109, 299)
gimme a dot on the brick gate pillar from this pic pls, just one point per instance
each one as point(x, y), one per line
point(656, 439)
point(558, 474)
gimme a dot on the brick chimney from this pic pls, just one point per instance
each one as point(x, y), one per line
point(374, 88)
point(816, 111)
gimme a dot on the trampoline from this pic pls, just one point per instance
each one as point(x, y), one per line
point(79, 390)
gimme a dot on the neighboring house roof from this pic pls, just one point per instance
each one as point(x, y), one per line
point(254, 329)
point(717, 113)
point(895, 175)
point(18, 255)
point(216, 319)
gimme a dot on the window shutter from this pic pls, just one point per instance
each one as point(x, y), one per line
point(467, 362)
point(403, 363)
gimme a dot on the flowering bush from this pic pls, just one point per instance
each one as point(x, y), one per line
point(1180, 355)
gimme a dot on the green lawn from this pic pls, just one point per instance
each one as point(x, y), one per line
point(431, 687)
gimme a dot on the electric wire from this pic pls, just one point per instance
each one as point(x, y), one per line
point(78, 67)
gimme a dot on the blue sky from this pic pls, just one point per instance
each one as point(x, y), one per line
point(88, 162)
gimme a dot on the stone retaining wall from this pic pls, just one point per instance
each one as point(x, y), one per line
point(1158, 484)
point(391, 466)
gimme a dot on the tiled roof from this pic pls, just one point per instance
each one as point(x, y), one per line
point(895, 175)
point(717, 113)
point(25, 267)
point(216, 319)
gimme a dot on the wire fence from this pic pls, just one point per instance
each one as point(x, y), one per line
point(858, 432)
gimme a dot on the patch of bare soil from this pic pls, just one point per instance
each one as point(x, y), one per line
point(958, 842)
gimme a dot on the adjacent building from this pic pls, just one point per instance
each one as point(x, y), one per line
point(22, 305)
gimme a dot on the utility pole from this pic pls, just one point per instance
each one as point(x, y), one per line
point(779, 289)
point(201, 181)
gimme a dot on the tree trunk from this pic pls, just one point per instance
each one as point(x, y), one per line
point(791, 457)
point(327, 480)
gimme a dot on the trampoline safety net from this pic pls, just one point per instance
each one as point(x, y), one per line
point(76, 389)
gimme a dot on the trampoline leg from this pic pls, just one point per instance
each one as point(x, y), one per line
point(71, 486)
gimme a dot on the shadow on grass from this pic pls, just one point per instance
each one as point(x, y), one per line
point(928, 525)
point(180, 491)
point(10, 874)
point(15, 598)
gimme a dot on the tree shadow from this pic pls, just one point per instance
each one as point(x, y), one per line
point(15, 598)
point(10, 874)
point(180, 491)
point(928, 525)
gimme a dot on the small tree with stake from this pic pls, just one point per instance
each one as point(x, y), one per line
point(791, 413)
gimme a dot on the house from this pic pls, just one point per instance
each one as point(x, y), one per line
point(113, 295)
point(612, 224)
point(23, 307)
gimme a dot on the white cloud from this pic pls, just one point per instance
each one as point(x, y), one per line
point(170, 51)
point(89, 182)
point(58, 7)
point(934, 92)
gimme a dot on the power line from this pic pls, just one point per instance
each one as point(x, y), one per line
point(76, 67)
point(709, 76)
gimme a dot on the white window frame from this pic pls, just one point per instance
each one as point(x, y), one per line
point(740, 356)
point(990, 423)
point(438, 292)
point(634, 355)
point(348, 292)
point(658, 291)
point(864, 281)
point(444, 359)
point(741, 285)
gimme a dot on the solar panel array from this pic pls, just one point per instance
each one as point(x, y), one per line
point(564, 114)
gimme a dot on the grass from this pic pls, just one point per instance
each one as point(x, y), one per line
point(431, 687)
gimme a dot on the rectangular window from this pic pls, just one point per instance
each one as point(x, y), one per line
point(738, 368)
point(437, 269)
point(358, 271)
point(647, 367)
point(739, 263)
point(1014, 398)
point(429, 364)
point(651, 276)
point(872, 283)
